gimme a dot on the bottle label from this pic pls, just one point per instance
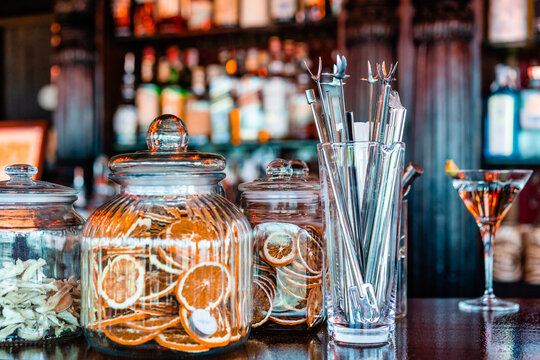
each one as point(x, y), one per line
point(500, 118)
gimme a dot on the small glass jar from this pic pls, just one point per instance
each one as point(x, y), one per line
point(39, 256)
point(288, 247)
point(167, 263)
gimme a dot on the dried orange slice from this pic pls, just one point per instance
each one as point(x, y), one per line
point(310, 253)
point(204, 286)
point(291, 272)
point(221, 338)
point(287, 320)
point(157, 308)
point(315, 306)
point(157, 285)
point(126, 250)
point(299, 293)
point(154, 260)
point(170, 261)
point(267, 284)
point(122, 282)
point(279, 248)
point(176, 338)
point(114, 320)
point(262, 305)
point(138, 228)
point(192, 229)
point(154, 324)
point(128, 336)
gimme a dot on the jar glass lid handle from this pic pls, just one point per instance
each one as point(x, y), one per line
point(280, 168)
point(21, 174)
point(167, 133)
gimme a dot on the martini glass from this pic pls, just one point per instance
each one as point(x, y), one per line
point(488, 195)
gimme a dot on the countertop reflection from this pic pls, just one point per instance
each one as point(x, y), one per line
point(433, 329)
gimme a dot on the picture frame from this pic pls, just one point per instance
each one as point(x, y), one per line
point(22, 142)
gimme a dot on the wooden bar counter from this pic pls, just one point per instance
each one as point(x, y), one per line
point(433, 329)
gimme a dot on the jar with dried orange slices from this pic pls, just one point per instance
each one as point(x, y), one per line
point(167, 264)
point(288, 247)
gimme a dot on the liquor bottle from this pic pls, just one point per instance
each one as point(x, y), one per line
point(508, 21)
point(172, 95)
point(197, 106)
point(121, 10)
point(275, 94)
point(200, 16)
point(502, 114)
point(283, 10)
point(147, 95)
point(125, 117)
point(144, 18)
point(254, 13)
point(302, 125)
point(529, 135)
point(311, 10)
point(336, 6)
point(221, 93)
point(252, 117)
point(171, 19)
point(226, 13)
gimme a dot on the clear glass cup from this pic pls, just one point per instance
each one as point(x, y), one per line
point(284, 210)
point(361, 189)
point(167, 263)
point(40, 233)
point(488, 195)
point(401, 277)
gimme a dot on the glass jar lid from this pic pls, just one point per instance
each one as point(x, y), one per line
point(167, 154)
point(284, 178)
point(20, 188)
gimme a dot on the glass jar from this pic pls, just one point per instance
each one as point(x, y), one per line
point(288, 247)
point(39, 256)
point(167, 263)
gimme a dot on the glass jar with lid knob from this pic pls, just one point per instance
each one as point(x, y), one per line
point(40, 259)
point(288, 246)
point(167, 263)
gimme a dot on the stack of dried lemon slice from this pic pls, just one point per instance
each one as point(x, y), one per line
point(151, 291)
point(289, 275)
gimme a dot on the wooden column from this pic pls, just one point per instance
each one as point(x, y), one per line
point(371, 28)
point(444, 254)
point(74, 118)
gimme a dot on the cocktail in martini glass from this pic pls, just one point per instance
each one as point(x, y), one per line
point(488, 195)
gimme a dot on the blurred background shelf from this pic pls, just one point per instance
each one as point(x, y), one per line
point(227, 35)
point(228, 147)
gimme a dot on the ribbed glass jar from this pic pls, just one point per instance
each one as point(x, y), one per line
point(167, 263)
point(288, 247)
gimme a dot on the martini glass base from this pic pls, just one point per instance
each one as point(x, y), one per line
point(488, 303)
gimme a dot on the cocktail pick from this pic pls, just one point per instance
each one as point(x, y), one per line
point(382, 102)
point(338, 76)
point(319, 123)
point(372, 80)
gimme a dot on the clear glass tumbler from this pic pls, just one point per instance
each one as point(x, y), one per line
point(401, 292)
point(361, 185)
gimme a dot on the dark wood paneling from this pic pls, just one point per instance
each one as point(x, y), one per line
point(444, 252)
point(26, 57)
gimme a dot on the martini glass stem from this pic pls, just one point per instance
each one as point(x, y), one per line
point(488, 233)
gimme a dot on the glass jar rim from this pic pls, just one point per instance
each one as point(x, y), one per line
point(21, 188)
